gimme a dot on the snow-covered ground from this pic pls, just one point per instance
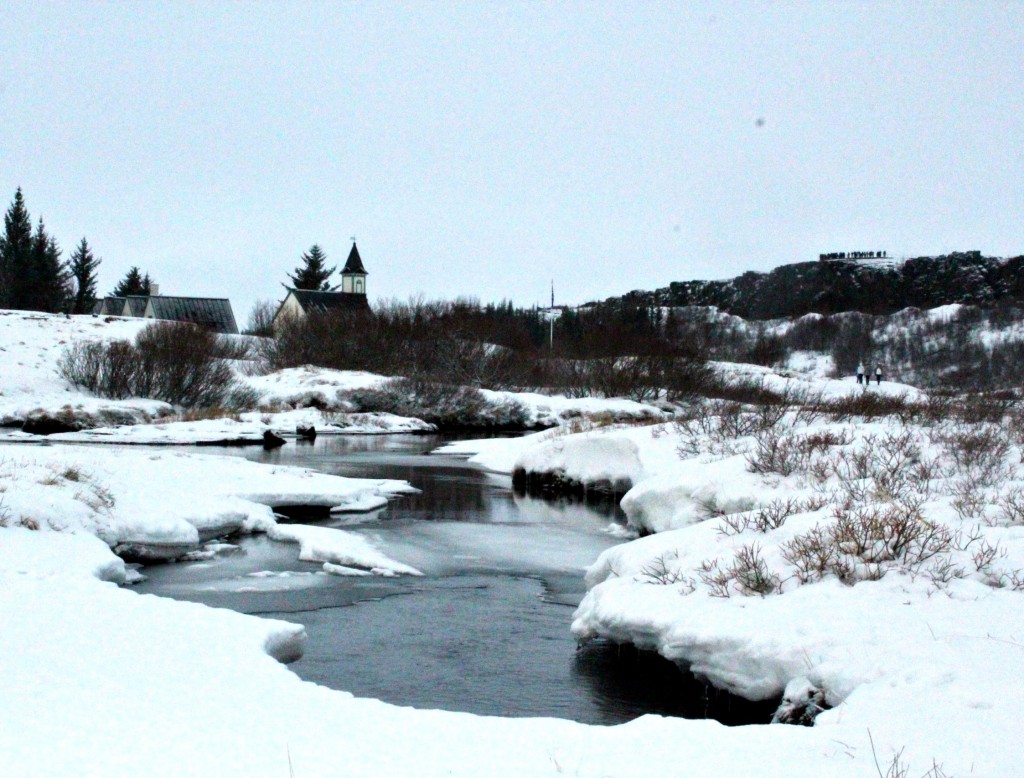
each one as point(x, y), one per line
point(31, 345)
point(161, 503)
point(872, 570)
point(248, 427)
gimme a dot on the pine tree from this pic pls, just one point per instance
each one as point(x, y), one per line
point(47, 276)
point(83, 271)
point(15, 254)
point(313, 274)
point(133, 283)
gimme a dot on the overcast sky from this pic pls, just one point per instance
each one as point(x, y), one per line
point(484, 149)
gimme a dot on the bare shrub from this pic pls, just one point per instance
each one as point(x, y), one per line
point(814, 555)
point(776, 453)
point(867, 405)
point(751, 573)
point(748, 575)
point(107, 369)
point(765, 519)
point(178, 363)
point(660, 571)
point(1011, 507)
point(181, 364)
point(447, 405)
point(978, 452)
point(865, 543)
point(969, 499)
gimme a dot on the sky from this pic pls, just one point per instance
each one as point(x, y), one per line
point(488, 149)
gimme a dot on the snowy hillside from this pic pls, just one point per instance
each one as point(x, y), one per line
point(31, 345)
point(869, 569)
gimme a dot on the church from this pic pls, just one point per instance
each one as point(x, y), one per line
point(352, 297)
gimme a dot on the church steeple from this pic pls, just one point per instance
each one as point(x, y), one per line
point(353, 275)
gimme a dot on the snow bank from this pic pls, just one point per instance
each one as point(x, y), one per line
point(309, 386)
point(162, 503)
point(206, 675)
point(248, 428)
point(551, 410)
point(594, 461)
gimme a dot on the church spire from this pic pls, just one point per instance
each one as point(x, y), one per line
point(353, 275)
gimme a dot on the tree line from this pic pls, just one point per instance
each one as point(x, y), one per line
point(613, 350)
point(34, 276)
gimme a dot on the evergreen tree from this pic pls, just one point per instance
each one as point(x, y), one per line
point(15, 254)
point(133, 283)
point(313, 274)
point(47, 277)
point(83, 271)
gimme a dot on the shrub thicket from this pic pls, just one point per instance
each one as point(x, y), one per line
point(177, 363)
point(620, 352)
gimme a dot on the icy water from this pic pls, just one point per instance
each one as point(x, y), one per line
point(486, 630)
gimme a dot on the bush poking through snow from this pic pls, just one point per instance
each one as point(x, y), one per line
point(748, 574)
point(178, 363)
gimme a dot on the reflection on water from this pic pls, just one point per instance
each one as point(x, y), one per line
point(486, 630)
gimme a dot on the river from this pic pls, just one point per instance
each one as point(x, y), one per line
point(485, 630)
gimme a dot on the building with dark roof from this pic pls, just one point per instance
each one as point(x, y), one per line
point(110, 306)
point(353, 275)
point(352, 297)
point(213, 313)
point(135, 305)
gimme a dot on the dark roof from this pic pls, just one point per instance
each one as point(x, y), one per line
point(354, 263)
point(137, 304)
point(112, 306)
point(322, 302)
point(212, 312)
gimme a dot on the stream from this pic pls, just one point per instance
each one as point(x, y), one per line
point(485, 630)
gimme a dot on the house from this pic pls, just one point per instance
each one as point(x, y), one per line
point(135, 305)
point(213, 313)
point(109, 306)
point(352, 297)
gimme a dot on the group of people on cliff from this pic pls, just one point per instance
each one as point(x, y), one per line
point(865, 378)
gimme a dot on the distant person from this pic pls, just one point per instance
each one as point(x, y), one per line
point(878, 374)
point(860, 373)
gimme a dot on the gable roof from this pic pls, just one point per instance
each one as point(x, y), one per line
point(212, 312)
point(135, 305)
point(112, 306)
point(354, 264)
point(321, 302)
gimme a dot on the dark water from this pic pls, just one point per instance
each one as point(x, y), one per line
point(486, 630)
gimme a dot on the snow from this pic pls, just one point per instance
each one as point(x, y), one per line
point(160, 502)
point(338, 547)
point(249, 427)
point(928, 664)
point(589, 458)
point(551, 410)
point(828, 388)
point(495, 454)
point(31, 345)
point(307, 386)
point(99, 680)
